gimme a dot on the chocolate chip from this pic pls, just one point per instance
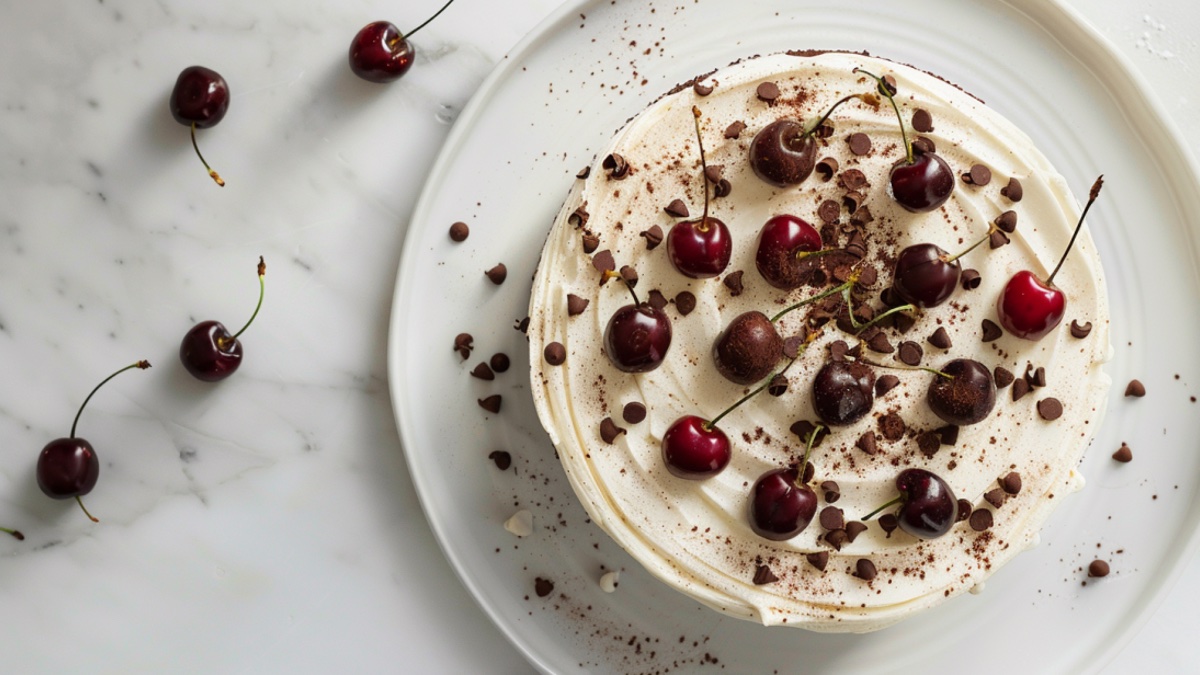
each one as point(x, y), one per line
point(497, 274)
point(1098, 568)
point(653, 236)
point(995, 497)
point(886, 383)
point(609, 430)
point(853, 179)
point(702, 89)
point(657, 300)
point(860, 143)
point(864, 569)
point(499, 362)
point(852, 200)
point(889, 522)
point(869, 275)
point(463, 345)
point(768, 92)
point(837, 538)
point(991, 331)
point(584, 172)
point(1078, 331)
point(928, 442)
point(491, 403)
point(734, 130)
point(892, 426)
point(633, 412)
point(888, 84)
point(616, 166)
point(1135, 388)
point(1003, 377)
point(829, 211)
point(1011, 482)
point(948, 434)
point(579, 217)
point(1037, 378)
point(778, 385)
point(555, 353)
point(940, 339)
point(911, 353)
point(879, 343)
point(866, 443)
point(923, 145)
point(1007, 221)
point(543, 587)
point(590, 243)
point(1050, 408)
point(832, 518)
point(576, 304)
point(712, 172)
point(677, 208)
point(818, 560)
point(831, 490)
point(629, 275)
point(803, 429)
point(604, 261)
point(856, 247)
point(981, 519)
point(826, 168)
point(853, 529)
point(685, 302)
point(922, 121)
point(903, 322)
point(978, 175)
point(861, 216)
point(522, 325)
point(964, 511)
point(809, 470)
point(483, 372)
point(970, 279)
point(459, 231)
point(792, 345)
point(764, 575)
point(1020, 388)
point(997, 239)
point(733, 281)
point(1013, 190)
point(502, 459)
point(1123, 454)
point(723, 188)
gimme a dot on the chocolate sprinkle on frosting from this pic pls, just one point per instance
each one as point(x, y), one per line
point(497, 274)
point(970, 279)
point(764, 575)
point(491, 403)
point(1050, 408)
point(555, 353)
point(459, 231)
point(483, 372)
point(633, 412)
point(502, 459)
point(579, 217)
point(590, 243)
point(991, 331)
point(576, 304)
point(1123, 454)
point(609, 430)
point(1080, 332)
point(685, 302)
point(1135, 388)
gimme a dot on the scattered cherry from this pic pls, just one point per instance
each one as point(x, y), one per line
point(928, 507)
point(781, 504)
point(209, 352)
point(784, 152)
point(919, 182)
point(381, 53)
point(1029, 307)
point(695, 449)
point(68, 467)
point(962, 392)
point(843, 392)
point(748, 349)
point(782, 247)
point(700, 249)
point(199, 100)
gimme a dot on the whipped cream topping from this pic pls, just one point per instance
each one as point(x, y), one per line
point(695, 535)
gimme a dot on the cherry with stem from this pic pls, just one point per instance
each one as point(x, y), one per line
point(637, 336)
point(926, 276)
point(200, 100)
point(380, 53)
point(209, 351)
point(784, 152)
point(700, 249)
point(928, 507)
point(781, 503)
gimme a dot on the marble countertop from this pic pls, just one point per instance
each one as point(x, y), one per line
point(269, 523)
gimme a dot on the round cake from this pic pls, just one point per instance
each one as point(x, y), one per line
point(864, 256)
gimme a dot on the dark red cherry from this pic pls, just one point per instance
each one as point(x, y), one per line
point(637, 338)
point(748, 349)
point(923, 276)
point(782, 154)
point(700, 249)
point(779, 242)
point(381, 53)
point(694, 450)
point(1029, 308)
point(200, 97)
point(67, 467)
point(923, 184)
point(965, 397)
point(843, 392)
point(780, 506)
point(928, 507)
point(210, 352)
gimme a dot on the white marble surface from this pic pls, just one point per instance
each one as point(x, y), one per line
point(267, 524)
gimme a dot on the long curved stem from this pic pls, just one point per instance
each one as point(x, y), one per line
point(703, 226)
point(140, 364)
point(215, 176)
point(1078, 226)
point(262, 289)
point(812, 129)
point(887, 93)
point(426, 22)
point(872, 514)
point(820, 296)
point(87, 513)
point(808, 446)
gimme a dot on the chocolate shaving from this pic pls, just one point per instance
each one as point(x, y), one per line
point(555, 353)
point(803, 429)
point(829, 211)
point(590, 243)
point(734, 130)
point(497, 274)
point(502, 459)
point(576, 304)
point(633, 412)
point(579, 217)
point(778, 385)
point(1050, 408)
point(722, 188)
point(1013, 190)
point(685, 302)
point(1080, 332)
point(653, 237)
point(459, 231)
point(677, 208)
point(491, 403)
point(764, 575)
point(991, 331)
point(861, 216)
point(712, 172)
point(609, 430)
point(483, 372)
point(616, 166)
point(629, 275)
point(852, 200)
point(733, 281)
point(892, 426)
point(792, 345)
point(826, 168)
point(702, 89)
point(970, 279)
point(1135, 388)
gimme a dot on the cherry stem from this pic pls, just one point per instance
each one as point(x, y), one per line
point(140, 364)
point(87, 513)
point(860, 327)
point(886, 90)
point(820, 296)
point(811, 130)
point(15, 533)
point(1078, 226)
point(215, 176)
point(766, 383)
point(262, 289)
point(610, 274)
point(808, 446)
point(871, 515)
point(703, 226)
point(991, 230)
point(435, 15)
point(939, 373)
point(802, 255)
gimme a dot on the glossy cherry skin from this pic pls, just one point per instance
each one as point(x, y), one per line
point(637, 338)
point(923, 185)
point(209, 352)
point(1029, 308)
point(697, 251)
point(781, 238)
point(966, 397)
point(200, 97)
point(693, 450)
point(67, 467)
point(843, 392)
point(748, 349)
point(780, 508)
point(928, 507)
point(380, 53)
point(922, 276)
point(782, 155)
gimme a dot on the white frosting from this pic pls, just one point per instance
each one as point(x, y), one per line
point(695, 535)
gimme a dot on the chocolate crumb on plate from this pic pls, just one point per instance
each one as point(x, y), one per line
point(543, 587)
point(685, 302)
point(980, 520)
point(991, 331)
point(499, 362)
point(463, 345)
point(1123, 454)
point(576, 304)
point(491, 403)
point(970, 279)
point(865, 569)
point(1098, 568)
point(1013, 190)
point(677, 208)
point(459, 231)
point(922, 121)
point(818, 560)
point(764, 575)
point(1050, 408)
point(555, 353)
point(609, 430)
point(483, 372)
point(767, 92)
point(501, 458)
point(1135, 388)
point(633, 412)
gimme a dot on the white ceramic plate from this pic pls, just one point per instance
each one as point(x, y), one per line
point(507, 166)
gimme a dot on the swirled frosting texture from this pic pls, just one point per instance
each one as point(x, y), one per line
point(695, 535)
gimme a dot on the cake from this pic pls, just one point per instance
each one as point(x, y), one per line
point(1000, 466)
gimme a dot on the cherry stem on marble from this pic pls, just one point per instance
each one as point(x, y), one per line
point(16, 534)
point(262, 289)
point(426, 22)
point(215, 176)
point(87, 513)
point(140, 364)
